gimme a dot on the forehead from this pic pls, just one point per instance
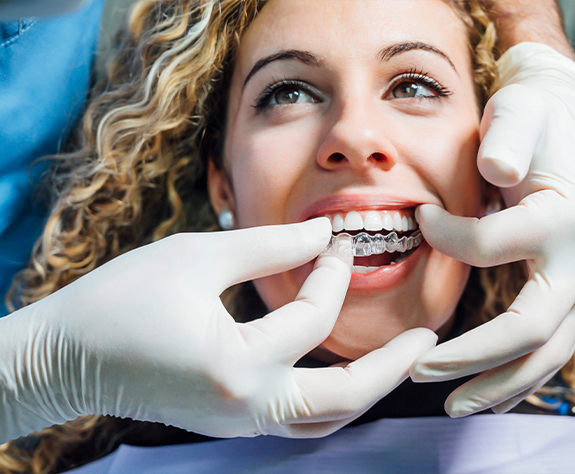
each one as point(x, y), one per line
point(351, 29)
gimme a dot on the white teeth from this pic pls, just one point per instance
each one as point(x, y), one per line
point(362, 269)
point(404, 227)
point(337, 223)
point(353, 221)
point(387, 222)
point(397, 221)
point(372, 221)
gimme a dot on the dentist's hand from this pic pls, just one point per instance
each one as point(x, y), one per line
point(146, 336)
point(528, 149)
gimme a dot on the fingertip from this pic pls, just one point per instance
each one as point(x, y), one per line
point(454, 415)
point(418, 340)
point(505, 406)
point(344, 261)
point(426, 336)
point(341, 248)
point(421, 373)
point(457, 408)
point(417, 372)
point(336, 267)
point(319, 227)
point(426, 214)
point(500, 171)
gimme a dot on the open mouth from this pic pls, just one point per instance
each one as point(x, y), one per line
point(378, 238)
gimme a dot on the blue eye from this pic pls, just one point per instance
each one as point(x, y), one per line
point(407, 90)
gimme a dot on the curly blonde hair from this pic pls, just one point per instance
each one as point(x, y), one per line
point(138, 174)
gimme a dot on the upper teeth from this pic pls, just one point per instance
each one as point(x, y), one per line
point(373, 221)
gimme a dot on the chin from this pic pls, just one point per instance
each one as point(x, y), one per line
point(357, 332)
point(369, 321)
point(422, 291)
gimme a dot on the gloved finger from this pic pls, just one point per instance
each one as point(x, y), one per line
point(509, 382)
point(316, 430)
point(336, 393)
point(512, 123)
point(247, 254)
point(290, 332)
point(512, 402)
point(506, 236)
point(531, 321)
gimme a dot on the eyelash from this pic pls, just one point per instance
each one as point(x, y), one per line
point(420, 77)
point(262, 101)
point(414, 75)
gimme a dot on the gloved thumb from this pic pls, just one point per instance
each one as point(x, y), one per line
point(510, 128)
point(247, 254)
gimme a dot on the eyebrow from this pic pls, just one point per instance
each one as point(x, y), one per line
point(392, 50)
point(303, 56)
point(308, 58)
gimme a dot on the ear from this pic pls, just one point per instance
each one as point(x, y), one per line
point(220, 189)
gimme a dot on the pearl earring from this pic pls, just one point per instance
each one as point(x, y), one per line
point(226, 220)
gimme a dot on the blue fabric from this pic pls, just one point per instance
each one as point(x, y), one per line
point(482, 444)
point(44, 75)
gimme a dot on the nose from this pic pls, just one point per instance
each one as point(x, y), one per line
point(357, 138)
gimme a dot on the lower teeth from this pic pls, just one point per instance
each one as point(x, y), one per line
point(362, 269)
point(369, 269)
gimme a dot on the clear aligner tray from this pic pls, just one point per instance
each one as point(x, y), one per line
point(364, 245)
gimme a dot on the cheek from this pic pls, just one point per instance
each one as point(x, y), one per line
point(443, 286)
point(461, 182)
point(447, 165)
point(266, 168)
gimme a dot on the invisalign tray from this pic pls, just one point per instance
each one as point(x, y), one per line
point(364, 245)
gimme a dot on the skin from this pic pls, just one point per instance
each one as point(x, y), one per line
point(282, 158)
point(529, 20)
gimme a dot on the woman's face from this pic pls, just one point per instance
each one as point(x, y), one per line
point(338, 106)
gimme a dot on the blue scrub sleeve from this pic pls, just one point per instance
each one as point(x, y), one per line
point(44, 77)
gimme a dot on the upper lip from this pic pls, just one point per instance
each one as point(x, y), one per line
point(355, 202)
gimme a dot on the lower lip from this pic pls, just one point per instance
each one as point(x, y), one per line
point(389, 276)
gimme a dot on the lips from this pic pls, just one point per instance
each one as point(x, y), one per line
point(371, 219)
point(363, 203)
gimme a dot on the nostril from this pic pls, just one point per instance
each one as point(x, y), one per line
point(378, 156)
point(336, 157)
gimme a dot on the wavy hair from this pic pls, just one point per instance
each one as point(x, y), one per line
point(136, 173)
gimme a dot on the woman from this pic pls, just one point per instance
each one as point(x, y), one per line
point(291, 124)
point(331, 152)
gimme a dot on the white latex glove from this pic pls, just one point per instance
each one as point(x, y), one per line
point(146, 336)
point(528, 149)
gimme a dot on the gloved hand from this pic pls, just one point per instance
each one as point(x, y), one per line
point(146, 336)
point(528, 149)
